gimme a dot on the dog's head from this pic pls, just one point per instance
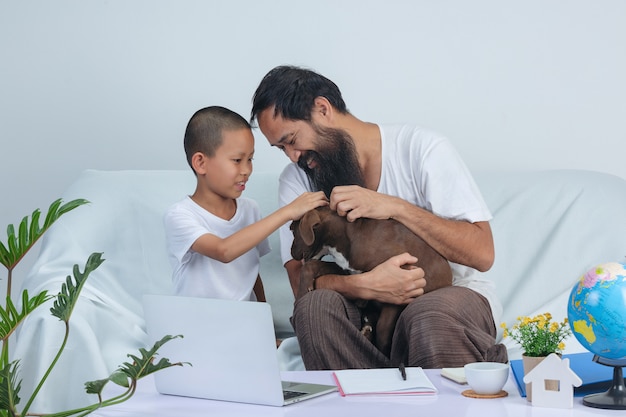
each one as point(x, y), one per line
point(304, 232)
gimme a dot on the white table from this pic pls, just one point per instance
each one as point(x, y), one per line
point(449, 401)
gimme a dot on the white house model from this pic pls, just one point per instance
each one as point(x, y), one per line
point(553, 368)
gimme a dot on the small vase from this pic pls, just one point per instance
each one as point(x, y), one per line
point(529, 363)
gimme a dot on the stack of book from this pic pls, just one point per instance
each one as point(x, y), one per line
point(596, 378)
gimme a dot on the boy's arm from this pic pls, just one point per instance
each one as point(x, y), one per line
point(258, 289)
point(230, 248)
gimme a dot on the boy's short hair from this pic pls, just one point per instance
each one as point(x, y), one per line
point(292, 91)
point(204, 130)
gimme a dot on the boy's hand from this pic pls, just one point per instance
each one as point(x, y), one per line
point(305, 202)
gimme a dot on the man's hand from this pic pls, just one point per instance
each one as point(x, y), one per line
point(354, 202)
point(395, 281)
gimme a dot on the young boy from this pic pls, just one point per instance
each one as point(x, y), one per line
point(215, 237)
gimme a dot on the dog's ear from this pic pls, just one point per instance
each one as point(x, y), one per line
point(307, 226)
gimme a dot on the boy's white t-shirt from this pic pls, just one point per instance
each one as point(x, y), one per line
point(197, 275)
point(423, 168)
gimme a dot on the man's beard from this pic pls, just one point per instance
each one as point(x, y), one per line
point(336, 161)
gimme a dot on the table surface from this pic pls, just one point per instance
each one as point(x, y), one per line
point(449, 401)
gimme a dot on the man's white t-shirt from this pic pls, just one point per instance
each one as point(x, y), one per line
point(197, 275)
point(423, 168)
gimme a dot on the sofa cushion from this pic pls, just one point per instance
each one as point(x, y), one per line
point(124, 221)
point(549, 228)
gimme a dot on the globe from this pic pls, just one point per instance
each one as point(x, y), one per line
point(597, 310)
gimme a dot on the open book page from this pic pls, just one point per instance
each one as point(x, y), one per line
point(383, 381)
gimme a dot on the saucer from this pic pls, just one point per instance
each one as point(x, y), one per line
point(471, 394)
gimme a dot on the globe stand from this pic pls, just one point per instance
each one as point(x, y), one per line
point(615, 397)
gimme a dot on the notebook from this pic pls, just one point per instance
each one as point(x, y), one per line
point(384, 381)
point(231, 346)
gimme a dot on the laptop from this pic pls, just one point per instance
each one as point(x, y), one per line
point(231, 346)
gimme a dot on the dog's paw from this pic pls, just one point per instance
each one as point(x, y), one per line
point(367, 329)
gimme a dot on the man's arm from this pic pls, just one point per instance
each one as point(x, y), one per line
point(388, 282)
point(458, 241)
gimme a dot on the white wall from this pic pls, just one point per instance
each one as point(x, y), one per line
point(110, 84)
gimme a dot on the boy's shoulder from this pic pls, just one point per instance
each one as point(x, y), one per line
point(187, 204)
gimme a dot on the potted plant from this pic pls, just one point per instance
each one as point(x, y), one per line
point(538, 336)
point(11, 316)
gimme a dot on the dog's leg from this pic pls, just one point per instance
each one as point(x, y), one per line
point(314, 268)
point(367, 328)
point(386, 325)
point(369, 316)
point(370, 310)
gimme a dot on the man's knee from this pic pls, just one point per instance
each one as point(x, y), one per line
point(456, 304)
point(428, 307)
point(317, 305)
point(418, 316)
point(316, 298)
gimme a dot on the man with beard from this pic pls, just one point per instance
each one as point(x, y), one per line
point(382, 171)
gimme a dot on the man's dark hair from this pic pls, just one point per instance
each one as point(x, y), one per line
point(292, 91)
point(204, 130)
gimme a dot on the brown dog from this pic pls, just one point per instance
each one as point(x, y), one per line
point(360, 246)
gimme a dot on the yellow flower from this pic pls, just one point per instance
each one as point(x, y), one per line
point(538, 335)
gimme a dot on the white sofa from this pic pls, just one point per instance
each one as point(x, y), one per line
point(549, 228)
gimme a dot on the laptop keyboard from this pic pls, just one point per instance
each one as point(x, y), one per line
point(292, 394)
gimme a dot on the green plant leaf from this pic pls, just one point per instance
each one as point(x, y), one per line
point(52, 212)
point(35, 230)
point(10, 317)
point(23, 235)
point(4, 254)
point(71, 205)
point(144, 365)
point(12, 241)
point(19, 244)
point(96, 387)
point(67, 298)
point(9, 388)
point(120, 378)
point(141, 366)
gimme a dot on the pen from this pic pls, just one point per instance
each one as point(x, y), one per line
point(402, 371)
